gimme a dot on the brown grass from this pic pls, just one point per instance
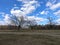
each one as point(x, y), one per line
point(40, 31)
point(22, 39)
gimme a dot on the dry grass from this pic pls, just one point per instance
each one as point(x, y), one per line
point(6, 39)
point(42, 31)
point(26, 39)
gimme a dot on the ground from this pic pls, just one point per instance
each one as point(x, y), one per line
point(30, 37)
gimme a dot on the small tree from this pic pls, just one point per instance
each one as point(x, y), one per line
point(51, 22)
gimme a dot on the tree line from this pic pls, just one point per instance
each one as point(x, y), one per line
point(35, 27)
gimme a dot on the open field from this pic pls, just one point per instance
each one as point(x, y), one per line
point(8, 39)
point(37, 37)
point(45, 31)
point(39, 31)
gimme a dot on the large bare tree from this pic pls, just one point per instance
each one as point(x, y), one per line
point(22, 21)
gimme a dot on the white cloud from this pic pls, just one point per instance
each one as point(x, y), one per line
point(2, 23)
point(58, 21)
point(57, 13)
point(17, 13)
point(2, 14)
point(49, 4)
point(52, 1)
point(55, 6)
point(44, 12)
point(24, 1)
point(37, 19)
point(6, 19)
point(26, 7)
point(29, 7)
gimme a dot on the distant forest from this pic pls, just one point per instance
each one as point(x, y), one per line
point(35, 27)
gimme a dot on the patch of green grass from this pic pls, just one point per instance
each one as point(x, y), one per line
point(23, 39)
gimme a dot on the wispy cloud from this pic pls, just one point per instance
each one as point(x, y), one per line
point(7, 19)
point(38, 19)
point(57, 13)
point(58, 21)
point(2, 23)
point(24, 1)
point(44, 12)
point(48, 4)
point(26, 7)
point(55, 6)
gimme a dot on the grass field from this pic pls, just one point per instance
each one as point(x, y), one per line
point(33, 39)
point(6, 39)
point(45, 31)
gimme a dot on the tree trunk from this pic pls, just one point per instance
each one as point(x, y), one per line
point(19, 27)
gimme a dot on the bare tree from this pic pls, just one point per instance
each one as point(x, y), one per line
point(20, 21)
point(51, 22)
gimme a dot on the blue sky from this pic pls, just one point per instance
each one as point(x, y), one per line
point(32, 9)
